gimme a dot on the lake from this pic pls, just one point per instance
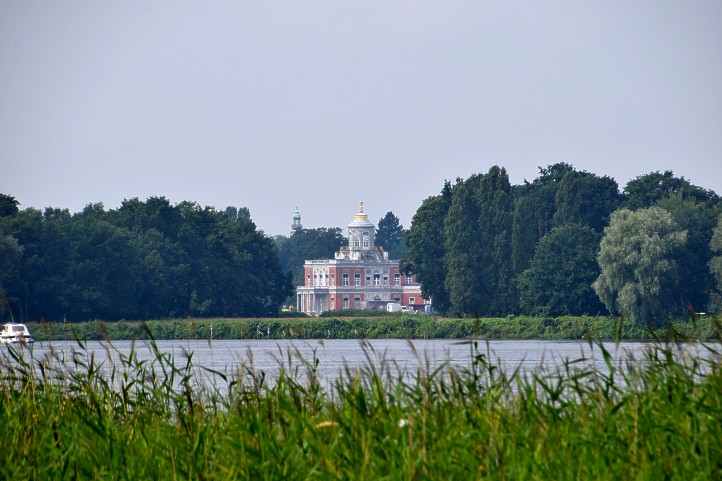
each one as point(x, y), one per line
point(229, 356)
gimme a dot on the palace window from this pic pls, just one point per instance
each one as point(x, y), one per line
point(397, 279)
point(412, 300)
point(345, 279)
point(345, 302)
point(357, 279)
point(386, 280)
point(366, 240)
point(377, 279)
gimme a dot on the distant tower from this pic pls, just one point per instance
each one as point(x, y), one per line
point(361, 231)
point(296, 225)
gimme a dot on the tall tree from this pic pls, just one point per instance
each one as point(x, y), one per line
point(534, 208)
point(698, 219)
point(389, 234)
point(426, 254)
point(646, 190)
point(478, 245)
point(586, 199)
point(320, 243)
point(463, 250)
point(10, 255)
point(8, 205)
point(495, 226)
point(559, 278)
point(42, 280)
point(639, 273)
point(715, 263)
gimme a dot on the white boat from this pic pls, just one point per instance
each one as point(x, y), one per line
point(15, 334)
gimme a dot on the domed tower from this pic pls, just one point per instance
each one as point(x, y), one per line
point(296, 225)
point(361, 232)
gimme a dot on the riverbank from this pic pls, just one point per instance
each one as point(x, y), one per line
point(657, 419)
point(381, 327)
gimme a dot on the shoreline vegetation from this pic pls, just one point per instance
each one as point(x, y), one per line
point(80, 418)
point(378, 327)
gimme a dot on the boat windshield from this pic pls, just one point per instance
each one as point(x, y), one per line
point(18, 328)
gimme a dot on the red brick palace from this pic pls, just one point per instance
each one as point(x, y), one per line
point(361, 276)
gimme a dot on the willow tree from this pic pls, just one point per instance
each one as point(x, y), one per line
point(639, 276)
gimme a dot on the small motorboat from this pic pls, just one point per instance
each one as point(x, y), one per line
point(15, 334)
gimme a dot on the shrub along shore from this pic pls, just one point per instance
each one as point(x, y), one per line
point(374, 327)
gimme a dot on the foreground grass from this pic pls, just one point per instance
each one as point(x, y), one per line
point(658, 419)
point(359, 327)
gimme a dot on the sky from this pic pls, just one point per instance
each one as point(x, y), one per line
point(321, 104)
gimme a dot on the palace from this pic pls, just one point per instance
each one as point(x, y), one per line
point(361, 276)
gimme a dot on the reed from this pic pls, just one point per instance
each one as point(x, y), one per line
point(654, 418)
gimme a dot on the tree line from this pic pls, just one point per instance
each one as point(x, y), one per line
point(569, 242)
point(145, 259)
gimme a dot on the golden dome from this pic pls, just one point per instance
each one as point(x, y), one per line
point(360, 219)
point(360, 216)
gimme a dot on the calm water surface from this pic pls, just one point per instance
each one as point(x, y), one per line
point(230, 356)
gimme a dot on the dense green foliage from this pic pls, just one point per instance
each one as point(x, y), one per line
point(426, 249)
point(698, 220)
point(373, 325)
point(585, 199)
point(715, 263)
point(142, 260)
point(8, 205)
point(481, 247)
point(639, 273)
point(319, 243)
point(493, 231)
point(390, 235)
point(477, 236)
point(657, 418)
point(559, 278)
point(646, 190)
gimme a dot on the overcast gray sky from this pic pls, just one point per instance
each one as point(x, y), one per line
point(320, 104)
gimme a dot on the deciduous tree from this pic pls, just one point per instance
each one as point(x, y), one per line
point(426, 248)
point(559, 278)
point(715, 264)
point(639, 273)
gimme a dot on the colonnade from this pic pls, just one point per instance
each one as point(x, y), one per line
point(306, 302)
